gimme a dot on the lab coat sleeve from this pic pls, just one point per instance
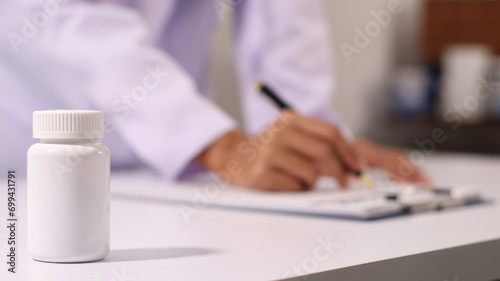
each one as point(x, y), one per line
point(286, 44)
point(146, 96)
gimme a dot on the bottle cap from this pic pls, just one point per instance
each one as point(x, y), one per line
point(70, 124)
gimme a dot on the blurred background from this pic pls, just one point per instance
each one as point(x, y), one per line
point(405, 69)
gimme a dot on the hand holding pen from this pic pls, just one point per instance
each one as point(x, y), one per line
point(289, 155)
point(341, 147)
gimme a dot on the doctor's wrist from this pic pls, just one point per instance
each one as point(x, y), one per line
point(216, 156)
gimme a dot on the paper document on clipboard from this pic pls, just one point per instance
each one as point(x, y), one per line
point(327, 199)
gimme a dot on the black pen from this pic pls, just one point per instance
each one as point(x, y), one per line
point(261, 87)
point(268, 92)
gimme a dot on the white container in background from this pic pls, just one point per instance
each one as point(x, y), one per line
point(68, 187)
point(464, 67)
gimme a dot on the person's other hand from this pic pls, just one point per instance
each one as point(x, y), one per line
point(393, 160)
point(289, 155)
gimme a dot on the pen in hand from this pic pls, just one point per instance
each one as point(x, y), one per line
point(282, 105)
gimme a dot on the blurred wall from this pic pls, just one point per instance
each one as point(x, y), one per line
point(361, 96)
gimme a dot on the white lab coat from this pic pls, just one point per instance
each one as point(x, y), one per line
point(144, 63)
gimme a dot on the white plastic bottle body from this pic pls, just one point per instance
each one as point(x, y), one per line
point(68, 200)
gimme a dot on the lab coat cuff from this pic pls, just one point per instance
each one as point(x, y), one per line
point(181, 159)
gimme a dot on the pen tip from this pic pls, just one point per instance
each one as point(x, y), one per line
point(258, 86)
point(366, 180)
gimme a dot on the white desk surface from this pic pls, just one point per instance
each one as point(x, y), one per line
point(151, 241)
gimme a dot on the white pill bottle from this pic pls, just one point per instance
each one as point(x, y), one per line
point(68, 187)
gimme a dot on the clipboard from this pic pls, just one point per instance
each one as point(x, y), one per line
point(327, 199)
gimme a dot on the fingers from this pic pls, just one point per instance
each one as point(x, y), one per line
point(300, 150)
point(333, 168)
point(415, 176)
point(305, 145)
point(268, 178)
point(279, 181)
point(294, 165)
point(419, 177)
point(330, 135)
point(325, 159)
point(392, 160)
